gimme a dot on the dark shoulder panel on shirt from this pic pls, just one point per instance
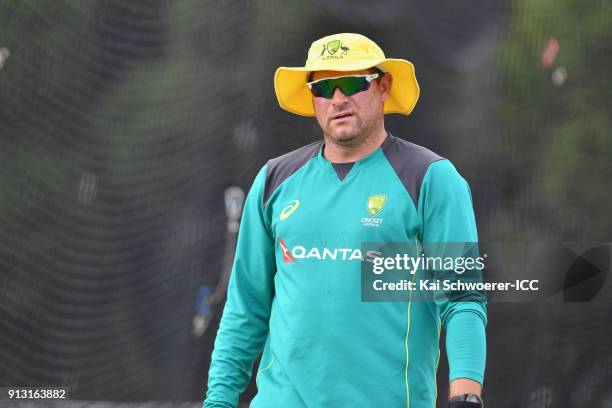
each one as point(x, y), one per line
point(280, 168)
point(410, 161)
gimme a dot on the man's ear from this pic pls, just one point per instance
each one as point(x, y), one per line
point(384, 86)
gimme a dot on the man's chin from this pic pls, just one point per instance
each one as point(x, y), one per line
point(344, 138)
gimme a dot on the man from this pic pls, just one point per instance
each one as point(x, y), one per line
point(295, 285)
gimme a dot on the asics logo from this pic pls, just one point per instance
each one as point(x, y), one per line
point(289, 209)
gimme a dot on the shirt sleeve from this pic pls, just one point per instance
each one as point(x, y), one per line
point(244, 325)
point(445, 205)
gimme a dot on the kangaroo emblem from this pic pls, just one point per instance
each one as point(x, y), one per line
point(324, 48)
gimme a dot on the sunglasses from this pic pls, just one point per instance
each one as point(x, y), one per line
point(349, 85)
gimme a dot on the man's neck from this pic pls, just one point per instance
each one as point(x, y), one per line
point(337, 153)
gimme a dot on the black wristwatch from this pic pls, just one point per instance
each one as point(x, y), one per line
point(466, 401)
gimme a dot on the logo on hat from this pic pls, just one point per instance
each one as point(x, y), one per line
point(332, 48)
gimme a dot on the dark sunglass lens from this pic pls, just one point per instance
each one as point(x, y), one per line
point(323, 89)
point(353, 85)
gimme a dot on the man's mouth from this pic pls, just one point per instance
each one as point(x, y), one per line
point(341, 116)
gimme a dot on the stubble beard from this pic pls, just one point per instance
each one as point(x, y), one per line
point(363, 129)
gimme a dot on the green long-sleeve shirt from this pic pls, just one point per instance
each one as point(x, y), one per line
point(295, 290)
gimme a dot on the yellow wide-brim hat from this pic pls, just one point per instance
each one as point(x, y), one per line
point(345, 52)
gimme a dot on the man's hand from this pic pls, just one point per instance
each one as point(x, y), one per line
point(461, 387)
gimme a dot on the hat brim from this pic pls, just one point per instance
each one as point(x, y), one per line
point(294, 96)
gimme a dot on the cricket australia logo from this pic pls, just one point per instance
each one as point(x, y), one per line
point(375, 205)
point(332, 48)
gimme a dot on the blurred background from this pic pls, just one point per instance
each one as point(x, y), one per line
point(122, 124)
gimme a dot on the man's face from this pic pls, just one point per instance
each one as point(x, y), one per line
point(348, 120)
